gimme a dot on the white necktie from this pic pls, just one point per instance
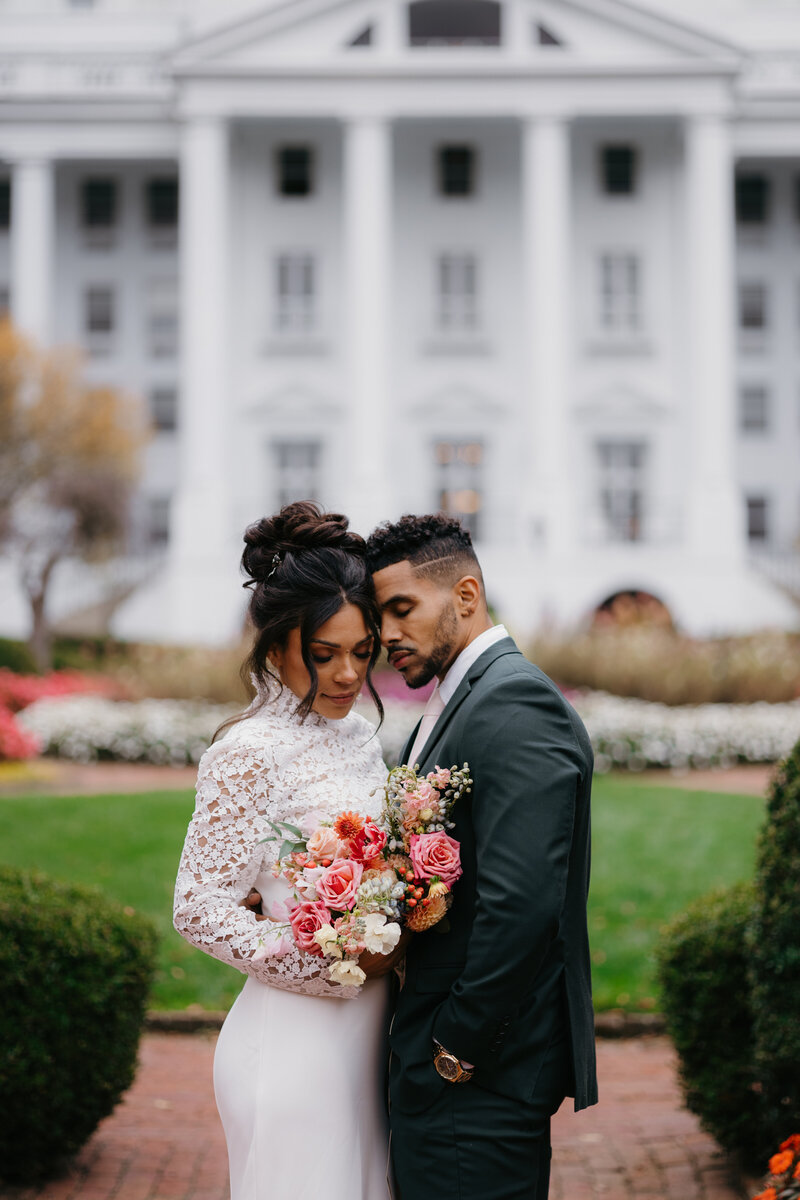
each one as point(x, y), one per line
point(433, 709)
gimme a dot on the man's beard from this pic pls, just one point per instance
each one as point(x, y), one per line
point(441, 655)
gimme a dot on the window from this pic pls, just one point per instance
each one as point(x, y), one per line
point(752, 199)
point(754, 409)
point(456, 170)
point(295, 171)
point(620, 298)
point(752, 306)
point(99, 311)
point(98, 204)
point(454, 23)
point(5, 203)
point(164, 408)
point(459, 481)
point(295, 299)
point(297, 470)
point(161, 203)
point(757, 518)
point(158, 511)
point(5, 301)
point(618, 169)
point(621, 477)
point(162, 318)
point(457, 293)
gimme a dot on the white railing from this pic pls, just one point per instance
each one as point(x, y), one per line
point(781, 566)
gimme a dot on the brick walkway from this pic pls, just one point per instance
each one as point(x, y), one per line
point(164, 1141)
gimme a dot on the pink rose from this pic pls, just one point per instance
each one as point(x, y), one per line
point(435, 854)
point(338, 884)
point(323, 843)
point(305, 920)
point(367, 846)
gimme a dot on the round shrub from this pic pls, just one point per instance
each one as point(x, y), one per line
point(75, 970)
point(775, 955)
point(703, 973)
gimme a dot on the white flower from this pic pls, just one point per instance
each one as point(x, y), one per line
point(328, 941)
point(378, 937)
point(347, 972)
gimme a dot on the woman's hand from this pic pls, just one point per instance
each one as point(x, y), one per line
point(252, 902)
point(376, 965)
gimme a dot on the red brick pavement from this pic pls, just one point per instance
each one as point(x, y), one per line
point(164, 1141)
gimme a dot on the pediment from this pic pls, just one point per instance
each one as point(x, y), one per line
point(296, 406)
point(349, 33)
point(457, 405)
point(622, 405)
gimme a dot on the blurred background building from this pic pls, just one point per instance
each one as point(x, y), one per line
point(535, 262)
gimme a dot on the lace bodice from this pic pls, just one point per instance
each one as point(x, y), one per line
point(268, 766)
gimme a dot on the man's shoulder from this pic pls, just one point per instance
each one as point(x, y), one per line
point(511, 679)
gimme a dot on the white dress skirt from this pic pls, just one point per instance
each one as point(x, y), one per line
point(300, 1067)
point(300, 1084)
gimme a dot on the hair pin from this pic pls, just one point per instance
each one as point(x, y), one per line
point(276, 562)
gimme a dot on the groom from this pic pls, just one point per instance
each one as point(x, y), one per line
point(494, 1023)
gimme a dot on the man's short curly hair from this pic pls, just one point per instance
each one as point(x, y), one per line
point(435, 544)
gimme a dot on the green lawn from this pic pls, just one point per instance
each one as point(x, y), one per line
point(654, 849)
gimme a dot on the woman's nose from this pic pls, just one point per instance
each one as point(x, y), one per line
point(346, 672)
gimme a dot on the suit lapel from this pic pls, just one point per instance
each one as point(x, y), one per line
point(491, 653)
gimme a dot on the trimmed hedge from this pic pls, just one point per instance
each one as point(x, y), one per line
point(729, 969)
point(75, 970)
point(775, 954)
point(703, 973)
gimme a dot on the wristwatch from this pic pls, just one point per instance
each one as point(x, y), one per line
point(449, 1067)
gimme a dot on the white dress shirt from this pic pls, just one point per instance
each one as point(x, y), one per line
point(467, 657)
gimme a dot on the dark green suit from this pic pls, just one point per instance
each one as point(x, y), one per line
point(505, 982)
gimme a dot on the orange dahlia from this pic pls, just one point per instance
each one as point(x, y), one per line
point(781, 1162)
point(348, 826)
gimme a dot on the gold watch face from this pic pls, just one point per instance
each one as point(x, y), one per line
point(448, 1066)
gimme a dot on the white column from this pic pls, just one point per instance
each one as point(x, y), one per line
point(367, 260)
point(200, 534)
point(714, 512)
point(32, 237)
point(546, 273)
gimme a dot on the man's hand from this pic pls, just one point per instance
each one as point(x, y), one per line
point(252, 902)
point(376, 965)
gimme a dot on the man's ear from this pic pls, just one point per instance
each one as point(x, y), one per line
point(467, 595)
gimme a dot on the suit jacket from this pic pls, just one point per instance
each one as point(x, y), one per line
point(508, 969)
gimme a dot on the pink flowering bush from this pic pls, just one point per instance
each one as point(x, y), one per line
point(18, 691)
point(15, 743)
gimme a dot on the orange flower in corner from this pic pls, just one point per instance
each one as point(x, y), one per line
point(791, 1143)
point(769, 1194)
point(781, 1162)
point(796, 1172)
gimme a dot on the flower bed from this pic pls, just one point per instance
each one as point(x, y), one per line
point(18, 692)
point(635, 734)
point(627, 734)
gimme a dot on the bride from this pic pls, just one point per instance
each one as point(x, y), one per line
point(300, 1062)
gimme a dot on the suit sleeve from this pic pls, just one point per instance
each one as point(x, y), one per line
point(527, 766)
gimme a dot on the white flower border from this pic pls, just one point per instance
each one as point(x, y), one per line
point(627, 734)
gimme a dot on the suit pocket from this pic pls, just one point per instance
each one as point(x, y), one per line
point(437, 980)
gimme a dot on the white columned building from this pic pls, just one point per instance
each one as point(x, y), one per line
point(366, 189)
point(546, 185)
point(533, 262)
point(32, 246)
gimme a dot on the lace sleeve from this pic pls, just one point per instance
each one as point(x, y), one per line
point(222, 856)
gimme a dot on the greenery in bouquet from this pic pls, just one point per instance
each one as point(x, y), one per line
point(783, 1180)
point(354, 881)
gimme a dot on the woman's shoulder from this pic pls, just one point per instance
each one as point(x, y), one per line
point(256, 734)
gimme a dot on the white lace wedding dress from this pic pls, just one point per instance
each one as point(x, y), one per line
point(299, 1071)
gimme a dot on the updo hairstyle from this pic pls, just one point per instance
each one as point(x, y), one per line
point(303, 566)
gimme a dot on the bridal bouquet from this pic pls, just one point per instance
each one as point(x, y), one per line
point(783, 1181)
point(355, 881)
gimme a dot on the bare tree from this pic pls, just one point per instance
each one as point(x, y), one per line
point(69, 459)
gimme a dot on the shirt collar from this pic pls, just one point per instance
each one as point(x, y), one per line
point(467, 657)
